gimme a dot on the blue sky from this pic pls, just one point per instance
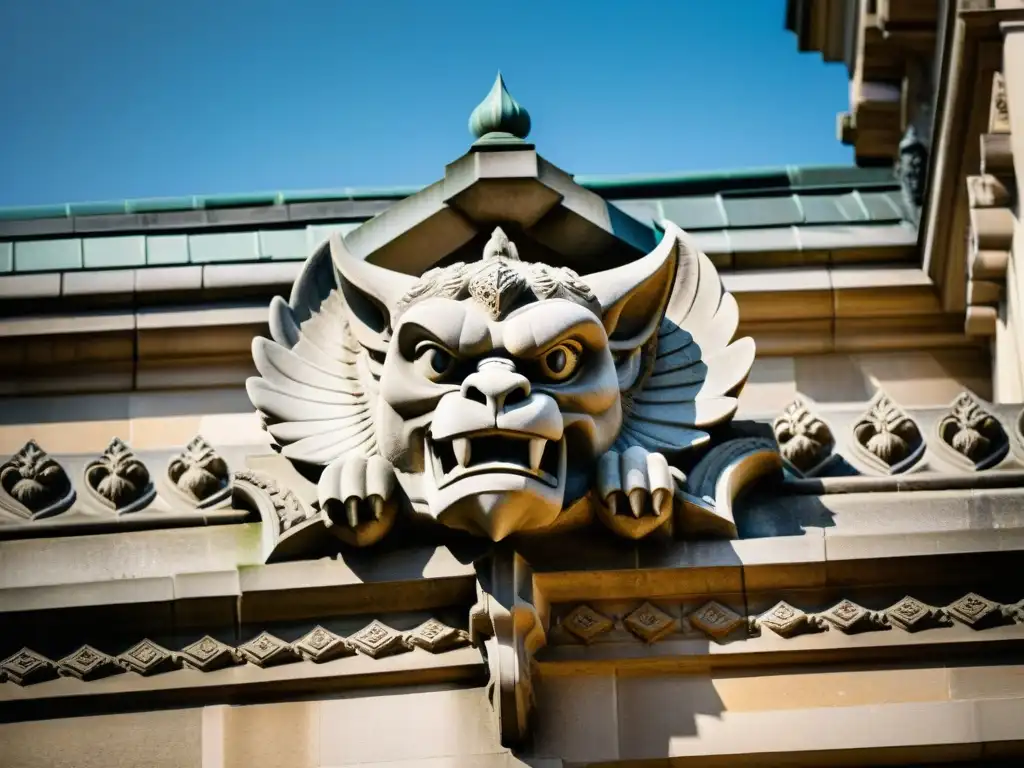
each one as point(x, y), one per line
point(112, 99)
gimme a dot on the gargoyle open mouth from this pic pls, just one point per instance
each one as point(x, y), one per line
point(495, 451)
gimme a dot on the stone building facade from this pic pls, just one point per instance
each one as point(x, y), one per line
point(533, 468)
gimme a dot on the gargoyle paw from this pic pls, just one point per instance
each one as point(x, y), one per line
point(357, 496)
point(636, 490)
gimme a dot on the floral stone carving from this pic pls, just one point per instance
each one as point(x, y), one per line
point(976, 438)
point(32, 485)
point(886, 437)
point(119, 480)
point(805, 441)
point(459, 393)
point(199, 473)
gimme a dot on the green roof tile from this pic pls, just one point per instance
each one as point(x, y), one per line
point(99, 252)
point(47, 255)
point(162, 250)
point(882, 206)
point(223, 246)
point(6, 257)
point(284, 244)
point(703, 212)
point(646, 211)
point(762, 211)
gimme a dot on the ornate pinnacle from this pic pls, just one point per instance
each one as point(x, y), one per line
point(499, 116)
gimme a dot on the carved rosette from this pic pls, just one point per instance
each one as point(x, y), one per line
point(886, 438)
point(805, 441)
point(33, 486)
point(119, 480)
point(199, 474)
point(972, 436)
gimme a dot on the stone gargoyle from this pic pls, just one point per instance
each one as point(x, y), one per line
point(500, 396)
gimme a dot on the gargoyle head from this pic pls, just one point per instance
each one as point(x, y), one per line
point(500, 381)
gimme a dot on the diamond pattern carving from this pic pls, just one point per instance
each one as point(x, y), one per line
point(649, 623)
point(435, 637)
point(265, 650)
point(586, 624)
point(320, 645)
point(87, 664)
point(846, 615)
point(783, 619)
point(148, 658)
point(377, 639)
point(909, 614)
point(972, 609)
point(208, 654)
point(715, 619)
point(26, 666)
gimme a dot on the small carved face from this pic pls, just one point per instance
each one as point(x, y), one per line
point(497, 416)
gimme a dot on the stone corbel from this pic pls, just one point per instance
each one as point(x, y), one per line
point(990, 196)
point(510, 621)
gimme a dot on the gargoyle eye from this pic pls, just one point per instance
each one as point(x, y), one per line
point(560, 362)
point(434, 362)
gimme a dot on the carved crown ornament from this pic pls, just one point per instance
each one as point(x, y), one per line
point(115, 485)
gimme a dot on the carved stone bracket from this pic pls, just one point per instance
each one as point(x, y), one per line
point(34, 486)
point(119, 480)
point(510, 624)
point(290, 526)
point(970, 435)
point(990, 196)
point(886, 438)
point(199, 474)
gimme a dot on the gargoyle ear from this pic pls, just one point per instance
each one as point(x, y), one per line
point(372, 294)
point(633, 296)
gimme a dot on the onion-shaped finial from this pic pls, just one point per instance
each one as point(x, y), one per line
point(499, 114)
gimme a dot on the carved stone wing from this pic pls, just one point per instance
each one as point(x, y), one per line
point(693, 373)
point(316, 387)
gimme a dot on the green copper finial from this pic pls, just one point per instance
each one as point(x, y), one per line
point(499, 118)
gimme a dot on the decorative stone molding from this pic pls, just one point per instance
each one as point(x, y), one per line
point(886, 438)
point(34, 486)
point(208, 654)
point(805, 441)
point(992, 220)
point(199, 473)
point(119, 480)
point(971, 435)
point(651, 624)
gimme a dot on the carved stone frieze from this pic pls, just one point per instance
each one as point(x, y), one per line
point(805, 440)
point(973, 435)
point(651, 624)
point(208, 654)
point(886, 437)
point(119, 480)
point(199, 473)
point(34, 486)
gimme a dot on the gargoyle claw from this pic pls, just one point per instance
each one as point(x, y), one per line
point(358, 493)
point(636, 490)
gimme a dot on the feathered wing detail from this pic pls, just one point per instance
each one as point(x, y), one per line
point(316, 387)
point(691, 374)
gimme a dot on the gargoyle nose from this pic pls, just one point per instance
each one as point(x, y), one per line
point(497, 384)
